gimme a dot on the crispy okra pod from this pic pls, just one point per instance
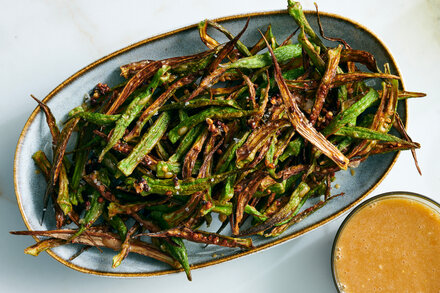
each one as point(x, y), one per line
point(300, 122)
point(104, 239)
point(145, 145)
point(136, 105)
point(212, 113)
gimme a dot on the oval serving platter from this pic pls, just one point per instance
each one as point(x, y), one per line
point(30, 187)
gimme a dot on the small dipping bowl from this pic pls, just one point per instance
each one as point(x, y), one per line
point(389, 243)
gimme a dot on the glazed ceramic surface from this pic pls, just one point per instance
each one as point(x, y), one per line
point(30, 186)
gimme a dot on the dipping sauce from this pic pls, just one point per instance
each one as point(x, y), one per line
point(390, 244)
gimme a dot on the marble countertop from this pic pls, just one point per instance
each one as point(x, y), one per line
point(42, 42)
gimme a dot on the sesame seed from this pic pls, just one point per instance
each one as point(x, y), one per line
point(182, 130)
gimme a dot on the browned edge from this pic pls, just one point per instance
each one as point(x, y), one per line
point(381, 196)
point(226, 258)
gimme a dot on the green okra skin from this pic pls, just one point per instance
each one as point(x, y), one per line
point(229, 154)
point(311, 51)
point(350, 114)
point(239, 94)
point(260, 45)
point(119, 225)
point(295, 10)
point(198, 103)
point(292, 149)
point(110, 162)
point(115, 208)
point(95, 118)
point(276, 187)
point(320, 188)
point(80, 159)
point(254, 212)
point(366, 122)
point(283, 54)
point(291, 182)
point(98, 118)
point(146, 144)
point(213, 113)
point(193, 153)
point(182, 114)
point(271, 38)
point(295, 198)
point(240, 46)
point(369, 134)
point(178, 252)
point(319, 62)
point(297, 217)
point(226, 209)
point(42, 162)
point(241, 162)
point(345, 143)
point(161, 151)
point(228, 190)
point(63, 198)
point(194, 66)
point(177, 249)
point(290, 74)
point(280, 188)
point(174, 218)
point(333, 57)
point(286, 211)
point(186, 143)
point(95, 210)
point(179, 187)
point(257, 139)
point(300, 205)
point(282, 144)
point(271, 152)
point(44, 245)
point(166, 169)
point(134, 108)
point(153, 109)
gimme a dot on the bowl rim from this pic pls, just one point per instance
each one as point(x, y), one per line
point(240, 253)
point(391, 194)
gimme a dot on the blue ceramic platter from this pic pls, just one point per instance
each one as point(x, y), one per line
point(30, 186)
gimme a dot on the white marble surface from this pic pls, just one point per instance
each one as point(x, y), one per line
point(42, 42)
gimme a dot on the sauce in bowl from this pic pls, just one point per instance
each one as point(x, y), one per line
point(390, 243)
